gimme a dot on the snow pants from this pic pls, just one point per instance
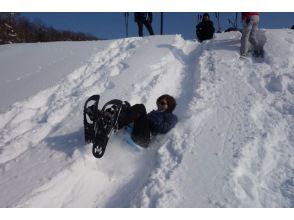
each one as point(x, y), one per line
point(249, 35)
point(136, 114)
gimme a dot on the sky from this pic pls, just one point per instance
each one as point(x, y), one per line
point(111, 25)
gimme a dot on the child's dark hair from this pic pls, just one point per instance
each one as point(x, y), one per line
point(171, 102)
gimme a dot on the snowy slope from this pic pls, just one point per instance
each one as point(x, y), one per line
point(29, 68)
point(232, 147)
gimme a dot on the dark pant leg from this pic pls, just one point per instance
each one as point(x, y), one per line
point(140, 28)
point(149, 27)
point(137, 114)
point(141, 131)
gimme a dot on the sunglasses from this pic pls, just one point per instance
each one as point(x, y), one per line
point(162, 102)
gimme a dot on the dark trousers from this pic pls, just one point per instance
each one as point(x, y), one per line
point(136, 114)
point(147, 25)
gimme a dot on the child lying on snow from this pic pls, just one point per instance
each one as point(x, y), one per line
point(158, 121)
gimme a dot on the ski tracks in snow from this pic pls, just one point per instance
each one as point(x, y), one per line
point(264, 176)
point(111, 184)
point(251, 117)
point(230, 148)
point(31, 153)
point(159, 189)
point(219, 105)
point(169, 183)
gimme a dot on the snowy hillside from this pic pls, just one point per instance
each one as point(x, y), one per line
point(233, 145)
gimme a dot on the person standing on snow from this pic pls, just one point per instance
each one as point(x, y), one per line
point(250, 24)
point(205, 29)
point(144, 18)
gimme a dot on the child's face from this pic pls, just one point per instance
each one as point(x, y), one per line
point(162, 105)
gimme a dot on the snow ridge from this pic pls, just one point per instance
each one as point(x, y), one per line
point(232, 146)
point(265, 172)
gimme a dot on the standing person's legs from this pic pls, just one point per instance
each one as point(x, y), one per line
point(140, 29)
point(252, 38)
point(245, 38)
point(149, 27)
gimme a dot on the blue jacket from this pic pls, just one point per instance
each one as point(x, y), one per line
point(161, 122)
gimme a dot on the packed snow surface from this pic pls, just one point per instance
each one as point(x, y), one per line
point(232, 147)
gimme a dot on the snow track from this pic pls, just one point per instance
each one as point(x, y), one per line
point(47, 122)
point(232, 146)
point(265, 171)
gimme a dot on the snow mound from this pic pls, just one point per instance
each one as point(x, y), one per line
point(232, 147)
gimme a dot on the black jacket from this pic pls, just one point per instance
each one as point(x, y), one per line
point(143, 16)
point(161, 122)
point(205, 30)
